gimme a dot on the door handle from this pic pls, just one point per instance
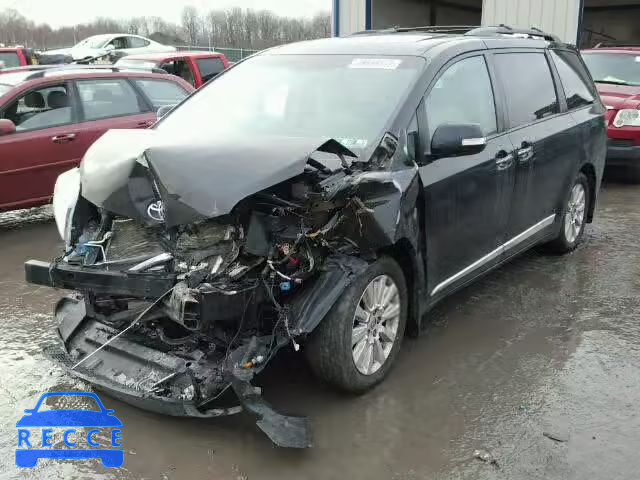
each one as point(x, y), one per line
point(525, 152)
point(66, 138)
point(504, 160)
point(145, 124)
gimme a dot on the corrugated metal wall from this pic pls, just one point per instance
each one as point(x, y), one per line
point(560, 17)
point(350, 16)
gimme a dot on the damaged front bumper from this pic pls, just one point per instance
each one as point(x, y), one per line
point(179, 382)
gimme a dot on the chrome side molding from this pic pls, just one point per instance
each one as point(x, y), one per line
point(515, 241)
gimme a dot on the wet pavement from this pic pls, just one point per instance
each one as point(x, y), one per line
point(537, 366)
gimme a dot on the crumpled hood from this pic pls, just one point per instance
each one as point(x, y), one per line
point(196, 177)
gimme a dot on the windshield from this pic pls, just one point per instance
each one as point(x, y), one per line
point(97, 41)
point(9, 59)
point(615, 68)
point(344, 97)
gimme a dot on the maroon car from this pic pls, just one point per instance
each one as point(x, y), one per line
point(49, 118)
point(616, 73)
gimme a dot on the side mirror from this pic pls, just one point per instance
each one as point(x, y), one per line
point(7, 127)
point(163, 110)
point(110, 47)
point(453, 140)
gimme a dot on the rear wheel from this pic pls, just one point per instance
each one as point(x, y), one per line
point(355, 346)
point(574, 217)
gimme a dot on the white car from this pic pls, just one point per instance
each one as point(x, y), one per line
point(122, 43)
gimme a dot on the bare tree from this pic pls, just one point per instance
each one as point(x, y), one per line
point(219, 28)
point(191, 24)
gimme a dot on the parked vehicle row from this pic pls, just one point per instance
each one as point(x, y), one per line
point(349, 185)
point(49, 117)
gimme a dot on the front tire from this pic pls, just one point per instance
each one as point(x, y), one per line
point(355, 346)
point(574, 217)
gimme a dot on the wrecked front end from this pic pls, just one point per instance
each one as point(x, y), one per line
point(183, 293)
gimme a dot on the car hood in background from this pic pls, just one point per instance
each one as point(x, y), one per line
point(619, 96)
point(196, 177)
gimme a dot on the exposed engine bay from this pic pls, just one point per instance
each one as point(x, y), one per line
point(182, 294)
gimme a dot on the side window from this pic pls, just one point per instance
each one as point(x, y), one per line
point(209, 67)
point(162, 92)
point(108, 97)
point(529, 90)
point(575, 80)
point(119, 43)
point(40, 108)
point(463, 94)
point(137, 42)
point(179, 68)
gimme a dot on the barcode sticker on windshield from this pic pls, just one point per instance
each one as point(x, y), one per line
point(379, 63)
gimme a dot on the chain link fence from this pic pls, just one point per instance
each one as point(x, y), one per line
point(232, 54)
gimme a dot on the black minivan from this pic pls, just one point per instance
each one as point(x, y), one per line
point(321, 196)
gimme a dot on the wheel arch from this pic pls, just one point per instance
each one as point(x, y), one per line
point(404, 253)
point(590, 172)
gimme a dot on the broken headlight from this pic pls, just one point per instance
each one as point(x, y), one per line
point(65, 198)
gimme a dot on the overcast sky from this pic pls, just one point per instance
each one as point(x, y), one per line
point(70, 12)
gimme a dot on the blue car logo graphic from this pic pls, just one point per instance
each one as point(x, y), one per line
point(69, 419)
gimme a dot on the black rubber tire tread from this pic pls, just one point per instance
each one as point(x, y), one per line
point(560, 245)
point(329, 349)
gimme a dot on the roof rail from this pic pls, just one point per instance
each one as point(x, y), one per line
point(426, 28)
point(61, 69)
point(502, 30)
point(616, 44)
point(472, 30)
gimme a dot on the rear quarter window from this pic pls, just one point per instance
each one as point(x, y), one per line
point(209, 67)
point(9, 60)
point(578, 88)
point(162, 92)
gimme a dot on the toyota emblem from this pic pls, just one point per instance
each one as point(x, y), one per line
point(156, 211)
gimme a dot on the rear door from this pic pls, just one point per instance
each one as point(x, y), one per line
point(106, 103)
point(545, 144)
point(43, 146)
point(159, 92)
point(467, 197)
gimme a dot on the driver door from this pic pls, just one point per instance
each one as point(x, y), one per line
point(467, 196)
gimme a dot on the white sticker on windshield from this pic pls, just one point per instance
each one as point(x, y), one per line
point(378, 63)
point(637, 59)
point(353, 142)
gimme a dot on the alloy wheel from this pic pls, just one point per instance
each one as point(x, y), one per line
point(375, 325)
point(574, 216)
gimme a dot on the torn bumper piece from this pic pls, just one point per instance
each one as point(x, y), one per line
point(165, 382)
point(63, 275)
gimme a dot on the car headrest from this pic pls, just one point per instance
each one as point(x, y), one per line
point(102, 95)
point(34, 100)
point(58, 99)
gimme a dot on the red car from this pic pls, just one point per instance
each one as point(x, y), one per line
point(50, 117)
point(616, 72)
point(15, 57)
point(197, 68)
